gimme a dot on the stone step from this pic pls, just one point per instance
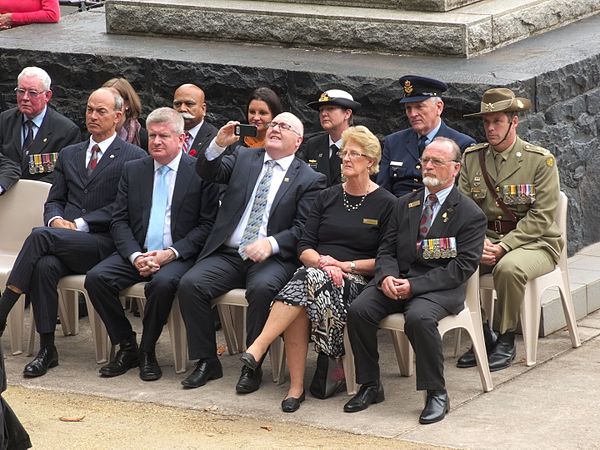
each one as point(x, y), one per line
point(464, 32)
point(411, 5)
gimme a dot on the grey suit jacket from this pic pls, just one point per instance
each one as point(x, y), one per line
point(240, 171)
point(55, 133)
point(193, 208)
point(75, 194)
point(440, 280)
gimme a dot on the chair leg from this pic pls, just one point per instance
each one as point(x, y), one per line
point(277, 355)
point(349, 369)
point(404, 353)
point(569, 311)
point(530, 322)
point(99, 334)
point(32, 333)
point(15, 326)
point(479, 349)
point(228, 328)
point(178, 338)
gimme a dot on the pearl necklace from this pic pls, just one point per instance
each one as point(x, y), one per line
point(347, 204)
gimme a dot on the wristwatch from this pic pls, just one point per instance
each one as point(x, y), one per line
point(352, 266)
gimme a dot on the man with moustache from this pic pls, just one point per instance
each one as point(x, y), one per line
point(400, 169)
point(77, 214)
point(516, 185)
point(32, 134)
point(424, 285)
point(158, 231)
point(336, 111)
point(253, 242)
point(189, 102)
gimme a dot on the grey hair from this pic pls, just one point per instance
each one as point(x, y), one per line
point(456, 154)
point(166, 115)
point(436, 100)
point(40, 74)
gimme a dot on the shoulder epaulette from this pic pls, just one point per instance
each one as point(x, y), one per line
point(476, 147)
point(536, 149)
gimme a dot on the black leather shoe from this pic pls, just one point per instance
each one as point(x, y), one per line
point(437, 406)
point(291, 404)
point(46, 358)
point(126, 358)
point(249, 361)
point(365, 397)
point(504, 352)
point(468, 358)
point(149, 368)
point(206, 370)
point(249, 380)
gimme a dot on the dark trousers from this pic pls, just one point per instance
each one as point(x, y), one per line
point(217, 274)
point(49, 254)
point(111, 276)
point(421, 318)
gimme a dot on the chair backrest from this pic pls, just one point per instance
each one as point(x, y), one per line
point(21, 209)
point(472, 292)
point(560, 217)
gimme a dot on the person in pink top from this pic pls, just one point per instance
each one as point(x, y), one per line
point(14, 13)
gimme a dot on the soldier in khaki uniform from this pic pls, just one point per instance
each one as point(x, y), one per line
point(516, 185)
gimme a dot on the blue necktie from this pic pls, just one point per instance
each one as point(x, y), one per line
point(258, 210)
point(160, 197)
point(421, 144)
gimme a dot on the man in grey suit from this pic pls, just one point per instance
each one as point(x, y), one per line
point(432, 246)
point(32, 134)
point(77, 215)
point(159, 225)
point(253, 243)
point(189, 101)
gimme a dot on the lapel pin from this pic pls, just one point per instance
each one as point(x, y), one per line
point(45, 140)
point(286, 179)
point(320, 155)
point(445, 216)
point(111, 156)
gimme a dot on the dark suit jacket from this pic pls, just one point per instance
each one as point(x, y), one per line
point(205, 135)
point(73, 194)
point(399, 170)
point(440, 280)
point(193, 208)
point(10, 172)
point(55, 133)
point(290, 208)
point(315, 152)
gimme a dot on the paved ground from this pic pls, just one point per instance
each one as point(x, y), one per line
point(547, 405)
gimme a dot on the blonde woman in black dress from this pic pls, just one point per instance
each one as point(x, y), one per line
point(337, 251)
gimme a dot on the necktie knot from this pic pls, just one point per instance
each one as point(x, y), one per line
point(422, 143)
point(163, 170)
point(432, 199)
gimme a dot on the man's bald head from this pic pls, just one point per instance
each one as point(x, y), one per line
point(189, 102)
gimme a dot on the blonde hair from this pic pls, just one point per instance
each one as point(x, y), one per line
point(362, 136)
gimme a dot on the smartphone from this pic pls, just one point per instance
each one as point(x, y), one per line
point(245, 130)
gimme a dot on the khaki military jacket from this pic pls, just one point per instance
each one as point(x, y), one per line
point(528, 182)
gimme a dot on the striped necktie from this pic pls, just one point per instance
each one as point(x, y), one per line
point(427, 216)
point(258, 210)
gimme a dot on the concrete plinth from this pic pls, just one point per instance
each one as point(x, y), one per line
point(464, 32)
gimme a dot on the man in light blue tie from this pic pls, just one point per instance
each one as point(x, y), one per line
point(163, 214)
point(253, 243)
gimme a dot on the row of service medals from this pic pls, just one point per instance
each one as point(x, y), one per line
point(42, 162)
point(439, 248)
point(518, 194)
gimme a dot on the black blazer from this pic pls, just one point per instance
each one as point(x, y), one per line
point(10, 172)
point(315, 152)
point(73, 194)
point(440, 280)
point(55, 133)
point(205, 135)
point(290, 208)
point(193, 208)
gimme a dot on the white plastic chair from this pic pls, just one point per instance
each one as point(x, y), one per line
point(21, 209)
point(232, 311)
point(531, 307)
point(469, 319)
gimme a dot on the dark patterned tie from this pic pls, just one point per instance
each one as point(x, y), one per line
point(421, 144)
point(28, 136)
point(94, 159)
point(334, 163)
point(258, 210)
point(427, 216)
point(187, 143)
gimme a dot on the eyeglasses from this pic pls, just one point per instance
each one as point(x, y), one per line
point(32, 94)
point(283, 126)
point(435, 161)
point(352, 154)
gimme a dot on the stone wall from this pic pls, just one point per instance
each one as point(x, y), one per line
point(566, 118)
